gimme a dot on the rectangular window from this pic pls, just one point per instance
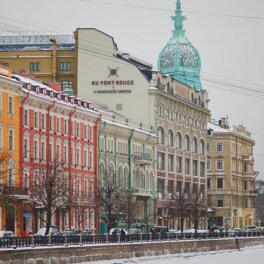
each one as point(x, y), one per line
point(90, 133)
point(43, 121)
point(66, 85)
point(78, 129)
point(202, 169)
point(161, 161)
point(35, 119)
point(26, 154)
point(10, 105)
point(11, 139)
point(220, 202)
point(187, 166)
point(170, 162)
point(35, 149)
point(43, 150)
point(85, 158)
point(208, 164)
point(219, 147)
point(50, 123)
point(65, 154)
point(57, 152)
point(34, 66)
point(219, 183)
point(179, 164)
point(219, 165)
point(50, 152)
point(195, 167)
point(90, 160)
point(58, 125)
point(208, 183)
point(85, 131)
point(77, 157)
point(64, 66)
point(25, 117)
point(246, 203)
point(65, 127)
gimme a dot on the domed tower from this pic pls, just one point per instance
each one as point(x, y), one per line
point(179, 57)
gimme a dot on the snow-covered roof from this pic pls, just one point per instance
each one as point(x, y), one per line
point(217, 128)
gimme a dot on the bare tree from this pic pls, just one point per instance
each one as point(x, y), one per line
point(180, 204)
point(5, 192)
point(198, 206)
point(48, 192)
point(112, 198)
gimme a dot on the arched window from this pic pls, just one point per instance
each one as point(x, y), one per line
point(195, 145)
point(187, 142)
point(170, 138)
point(160, 135)
point(178, 141)
point(202, 150)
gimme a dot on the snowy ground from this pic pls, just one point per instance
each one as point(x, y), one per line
point(243, 256)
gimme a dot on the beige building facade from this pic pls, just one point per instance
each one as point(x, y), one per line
point(231, 175)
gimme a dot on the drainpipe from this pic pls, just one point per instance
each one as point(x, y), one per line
point(21, 136)
point(54, 59)
point(70, 156)
point(129, 175)
point(48, 132)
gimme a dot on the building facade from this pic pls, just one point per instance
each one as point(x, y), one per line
point(12, 193)
point(59, 131)
point(231, 175)
point(126, 152)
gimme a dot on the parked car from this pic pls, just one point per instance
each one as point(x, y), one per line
point(53, 231)
point(5, 233)
point(68, 233)
point(117, 230)
point(159, 229)
point(251, 228)
point(134, 231)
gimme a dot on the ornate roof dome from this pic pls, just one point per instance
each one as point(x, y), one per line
point(179, 57)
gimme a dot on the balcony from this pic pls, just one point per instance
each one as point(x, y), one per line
point(19, 193)
point(142, 158)
point(142, 192)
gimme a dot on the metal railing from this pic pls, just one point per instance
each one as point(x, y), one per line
point(40, 241)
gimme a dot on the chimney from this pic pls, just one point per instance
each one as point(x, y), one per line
point(55, 86)
point(223, 122)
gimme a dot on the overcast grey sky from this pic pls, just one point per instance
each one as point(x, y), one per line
point(228, 34)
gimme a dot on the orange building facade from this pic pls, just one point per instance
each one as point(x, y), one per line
point(12, 193)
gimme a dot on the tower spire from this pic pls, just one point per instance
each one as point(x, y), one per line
point(178, 21)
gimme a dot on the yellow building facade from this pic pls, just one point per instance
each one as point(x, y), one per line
point(231, 176)
point(11, 192)
point(48, 57)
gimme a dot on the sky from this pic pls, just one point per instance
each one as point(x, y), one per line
point(227, 33)
point(243, 256)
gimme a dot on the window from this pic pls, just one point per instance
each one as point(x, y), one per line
point(208, 147)
point(58, 125)
point(170, 162)
point(220, 202)
point(91, 133)
point(245, 185)
point(66, 154)
point(245, 167)
point(219, 147)
point(187, 142)
point(11, 139)
point(43, 150)
point(78, 129)
point(35, 149)
point(208, 183)
point(77, 157)
point(10, 104)
point(178, 141)
point(170, 138)
point(246, 203)
point(160, 135)
point(187, 166)
point(85, 131)
point(65, 127)
point(34, 66)
point(179, 164)
point(202, 169)
point(195, 167)
point(219, 183)
point(65, 66)
point(66, 85)
point(208, 164)
point(43, 121)
point(202, 147)
point(25, 117)
point(219, 165)
point(195, 145)
point(50, 123)
point(85, 158)
point(161, 161)
point(35, 119)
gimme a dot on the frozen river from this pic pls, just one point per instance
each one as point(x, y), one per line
point(244, 256)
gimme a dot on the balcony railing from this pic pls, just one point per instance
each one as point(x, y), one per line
point(15, 192)
point(143, 158)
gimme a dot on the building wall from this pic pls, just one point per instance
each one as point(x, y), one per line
point(62, 132)
point(10, 170)
point(231, 178)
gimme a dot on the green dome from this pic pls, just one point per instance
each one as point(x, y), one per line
point(179, 57)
